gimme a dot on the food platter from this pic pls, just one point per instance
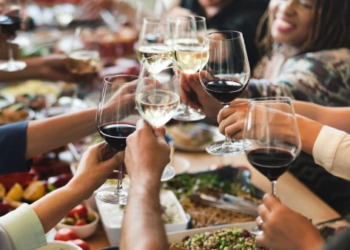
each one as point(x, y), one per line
point(175, 130)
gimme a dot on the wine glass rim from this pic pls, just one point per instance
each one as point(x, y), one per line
point(191, 17)
point(107, 80)
point(150, 19)
point(271, 99)
point(239, 35)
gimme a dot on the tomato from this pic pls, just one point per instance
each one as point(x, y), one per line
point(66, 234)
point(81, 243)
point(80, 211)
point(80, 223)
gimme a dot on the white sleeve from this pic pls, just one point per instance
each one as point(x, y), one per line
point(332, 151)
point(21, 229)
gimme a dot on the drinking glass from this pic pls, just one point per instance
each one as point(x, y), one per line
point(272, 130)
point(157, 99)
point(11, 15)
point(152, 45)
point(115, 119)
point(224, 76)
point(188, 49)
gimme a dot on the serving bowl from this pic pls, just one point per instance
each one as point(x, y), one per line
point(112, 216)
point(84, 231)
point(61, 245)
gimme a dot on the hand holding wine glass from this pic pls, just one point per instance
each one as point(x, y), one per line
point(115, 119)
point(224, 77)
point(188, 52)
point(272, 151)
point(157, 99)
point(147, 153)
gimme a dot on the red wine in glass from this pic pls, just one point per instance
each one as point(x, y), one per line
point(115, 134)
point(271, 162)
point(225, 91)
point(10, 25)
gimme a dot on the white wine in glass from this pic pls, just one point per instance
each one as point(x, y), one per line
point(152, 44)
point(157, 100)
point(189, 56)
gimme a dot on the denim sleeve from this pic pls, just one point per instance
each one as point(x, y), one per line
point(13, 143)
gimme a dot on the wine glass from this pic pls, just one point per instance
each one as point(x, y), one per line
point(224, 77)
point(11, 15)
point(115, 119)
point(188, 49)
point(157, 99)
point(271, 129)
point(152, 44)
point(83, 59)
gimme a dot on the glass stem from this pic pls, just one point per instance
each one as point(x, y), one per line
point(120, 179)
point(186, 110)
point(11, 59)
point(273, 185)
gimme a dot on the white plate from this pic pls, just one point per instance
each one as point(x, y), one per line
point(178, 236)
point(180, 164)
point(202, 148)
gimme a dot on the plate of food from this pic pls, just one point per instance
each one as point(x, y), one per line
point(193, 137)
point(227, 180)
point(42, 88)
point(172, 213)
point(231, 236)
point(15, 113)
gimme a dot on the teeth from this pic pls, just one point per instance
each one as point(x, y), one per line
point(284, 24)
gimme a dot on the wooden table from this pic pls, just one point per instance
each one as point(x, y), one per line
point(291, 192)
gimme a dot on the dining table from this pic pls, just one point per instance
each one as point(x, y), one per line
point(290, 190)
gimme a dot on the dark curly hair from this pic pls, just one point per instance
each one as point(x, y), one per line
point(330, 29)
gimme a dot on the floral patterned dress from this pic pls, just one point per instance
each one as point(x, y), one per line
point(320, 77)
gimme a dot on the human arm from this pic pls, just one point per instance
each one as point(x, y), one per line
point(52, 67)
point(338, 118)
point(146, 156)
point(27, 225)
point(232, 119)
point(48, 134)
point(329, 147)
point(285, 229)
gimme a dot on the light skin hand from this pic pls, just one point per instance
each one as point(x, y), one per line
point(285, 229)
point(193, 93)
point(96, 165)
point(231, 119)
point(146, 156)
point(147, 152)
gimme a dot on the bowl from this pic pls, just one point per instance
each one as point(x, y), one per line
point(62, 245)
point(83, 231)
point(112, 216)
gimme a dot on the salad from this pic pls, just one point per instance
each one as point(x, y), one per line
point(222, 239)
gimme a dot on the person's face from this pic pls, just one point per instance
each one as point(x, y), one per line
point(291, 20)
point(211, 3)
